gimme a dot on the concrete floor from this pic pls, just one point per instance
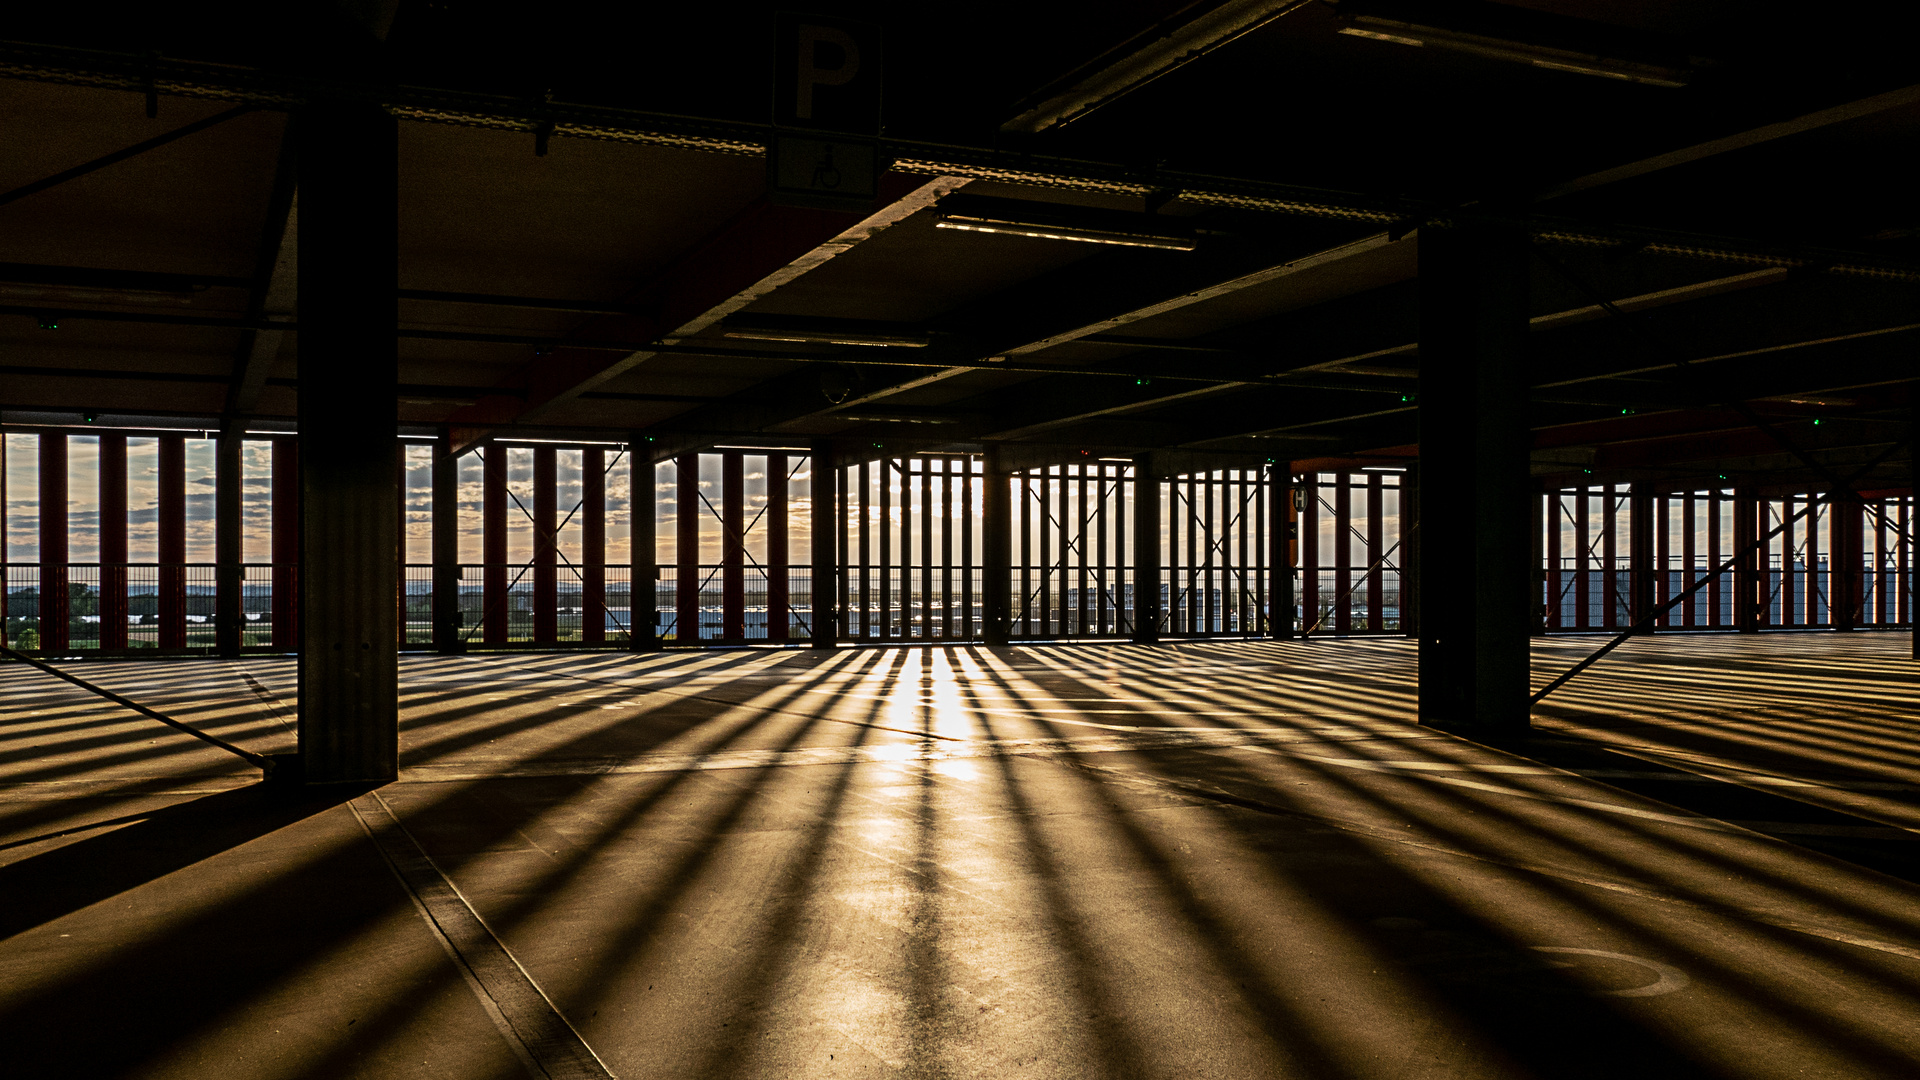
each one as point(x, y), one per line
point(1203, 860)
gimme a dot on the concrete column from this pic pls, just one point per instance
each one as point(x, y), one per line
point(1537, 562)
point(1283, 533)
point(687, 512)
point(996, 546)
point(113, 541)
point(54, 595)
point(350, 572)
point(1845, 566)
point(825, 586)
point(593, 546)
point(1640, 561)
point(286, 545)
point(546, 561)
point(496, 605)
point(1410, 551)
point(1746, 572)
point(1146, 552)
point(1474, 581)
point(643, 570)
point(229, 574)
point(779, 606)
point(446, 548)
point(733, 547)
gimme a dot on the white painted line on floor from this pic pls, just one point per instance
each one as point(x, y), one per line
point(547, 1045)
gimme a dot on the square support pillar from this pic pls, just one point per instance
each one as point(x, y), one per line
point(1845, 561)
point(113, 542)
point(229, 575)
point(1475, 585)
point(1146, 552)
point(1283, 538)
point(687, 511)
point(1748, 559)
point(593, 546)
point(1410, 551)
point(733, 547)
point(779, 599)
point(349, 317)
point(1641, 570)
point(643, 563)
point(825, 543)
point(171, 536)
point(495, 603)
point(286, 545)
point(996, 546)
point(546, 562)
point(55, 600)
point(446, 547)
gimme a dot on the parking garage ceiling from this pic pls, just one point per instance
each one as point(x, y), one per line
point(588, 247)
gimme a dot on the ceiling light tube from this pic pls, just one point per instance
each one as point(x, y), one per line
point(827, 337)
point(1057, 231)
point(1378, 28)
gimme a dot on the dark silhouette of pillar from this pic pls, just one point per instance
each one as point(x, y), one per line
point(1474, 580)
point(996, 546)
point(55, 601)
point(643, 568)
point(1641, 570)
point(1146, 552)
point(546, 520)
point(1845, 565)
point(171, 495)
point(446, 547)
point(349, 317)
point(286, 544)
point(113, 542)
point(229, 573)
point(778, 592)
point(593, 546)
point(733, 547)
point(687, 512)
point(825, 545)
point(496, 604)
point(1747, 580)
point(1282, 538)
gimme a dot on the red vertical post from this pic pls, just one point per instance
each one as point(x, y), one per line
point(1556, 559)
point(55, 601)
point(1343, 552)
point(1583, 559)
point(1746, 571)
point(493, 544)
point(778, 595)
point(733, 525)
point(1716, 554)
point(286, 544)
point(172, 520)
point(1310, 552)
point(1642, 525)
point(546, 521)
point(593, 545)
point(113, 541)
point(1688, 557)
point(687, 512)
point(1376, 547)
point(1845, 563)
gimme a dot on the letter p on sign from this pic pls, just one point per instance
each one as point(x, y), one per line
point(826, 75)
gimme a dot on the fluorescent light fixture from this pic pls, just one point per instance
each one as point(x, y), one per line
point(1375, 35)
point(1563, 48)
point(827, 337)
point(1040, 231)
point(1062, 221)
